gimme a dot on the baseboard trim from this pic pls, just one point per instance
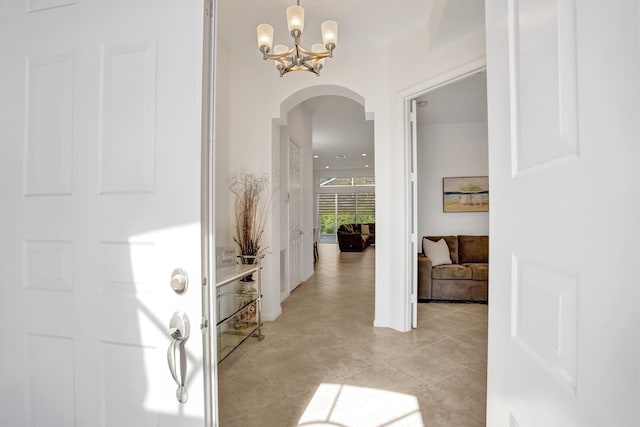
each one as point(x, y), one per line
point(435, 301)
point(270, 317)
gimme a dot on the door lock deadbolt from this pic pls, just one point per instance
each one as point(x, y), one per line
point(179, 281)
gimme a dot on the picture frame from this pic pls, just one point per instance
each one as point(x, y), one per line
point(465, 194)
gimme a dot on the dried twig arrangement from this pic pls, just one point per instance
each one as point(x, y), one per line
point(251, 211)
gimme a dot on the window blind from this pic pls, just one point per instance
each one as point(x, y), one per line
point(345, 208)
point(366, 207)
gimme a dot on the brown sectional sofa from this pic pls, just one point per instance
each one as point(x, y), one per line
point(465, 279)
point(351, 238)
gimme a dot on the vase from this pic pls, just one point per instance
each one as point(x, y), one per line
point(247, 287)
point(246, 294)
point(247, 260)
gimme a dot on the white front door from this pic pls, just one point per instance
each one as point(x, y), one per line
point(100, 137)
point(564, 146)
point(295, 215)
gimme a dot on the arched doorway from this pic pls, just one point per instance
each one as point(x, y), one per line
point(319, 127)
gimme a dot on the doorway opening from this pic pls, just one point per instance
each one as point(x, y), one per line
point(446, 137)
point(325, 165)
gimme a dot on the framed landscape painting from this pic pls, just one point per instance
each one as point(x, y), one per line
point(465, 194)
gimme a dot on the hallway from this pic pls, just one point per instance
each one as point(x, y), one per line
point(323, 363)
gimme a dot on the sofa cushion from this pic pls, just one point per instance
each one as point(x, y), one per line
point(459, 290)
point(438, 252)
point(347, 227)
point(451, 272)
point(479, 271)
point(452, 242)
point(473, 249)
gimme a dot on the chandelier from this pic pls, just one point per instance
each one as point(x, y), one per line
point(297, 58)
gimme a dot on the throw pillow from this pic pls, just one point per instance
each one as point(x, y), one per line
point(438, 251)
point(348, 228)
point(364, 228)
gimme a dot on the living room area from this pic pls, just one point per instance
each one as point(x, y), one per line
point(453, 192)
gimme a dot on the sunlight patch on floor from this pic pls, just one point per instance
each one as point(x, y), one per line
point(346, 405)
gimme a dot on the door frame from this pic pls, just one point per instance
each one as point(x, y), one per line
point(290, 256)
point(410, 286)
point(207, 216)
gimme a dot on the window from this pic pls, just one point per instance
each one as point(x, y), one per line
point(366, 208)
point(335, 209)
point(364, 180)
point(354, 181)
point(327, 213)
point(346, 204)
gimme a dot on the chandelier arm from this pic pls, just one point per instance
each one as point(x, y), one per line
point(303, 66)
point(310, 68)
point(282, 56)
point(320, 55)
point(288, 68)
point(316, 56)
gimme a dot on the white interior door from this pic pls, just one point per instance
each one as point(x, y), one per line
point(563, 146)
point(413, 200)
point(100, 188)
point(295, 215)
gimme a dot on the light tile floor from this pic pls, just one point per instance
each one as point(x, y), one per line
point(322, 363)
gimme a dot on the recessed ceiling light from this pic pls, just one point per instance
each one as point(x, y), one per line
point(366, 166)
point(364, 154)
point(315, 156)
point(341, 156)
point(326, 167)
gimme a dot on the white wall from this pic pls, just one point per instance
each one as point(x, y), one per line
point(257, 95)
point(448, 150)
point(221, 148)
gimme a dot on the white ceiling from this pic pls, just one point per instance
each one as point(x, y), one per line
point(463, 101)
point(460, 18)
point(339, 125)
point(359, 21)
point(339, 129)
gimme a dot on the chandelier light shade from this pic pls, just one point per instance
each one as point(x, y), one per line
point(329, 33)
point(265, 36)
point(297, 58)
point(295, 19)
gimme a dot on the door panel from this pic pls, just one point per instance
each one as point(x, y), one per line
point(101, 201)
point(295, 216)
point(561, 351)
